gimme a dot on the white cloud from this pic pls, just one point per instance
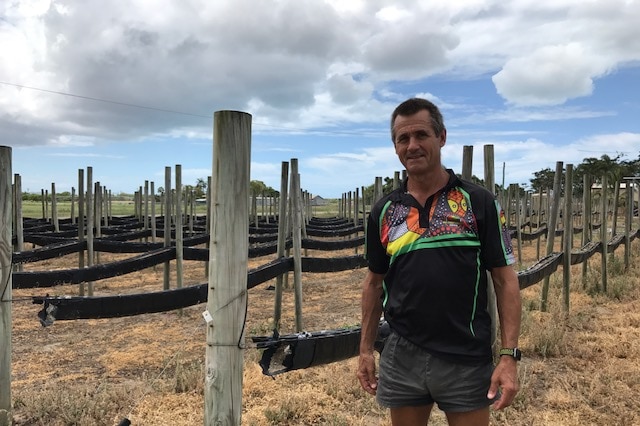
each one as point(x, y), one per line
point(549, 76)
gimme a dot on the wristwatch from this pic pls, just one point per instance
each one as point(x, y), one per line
point(512, 352)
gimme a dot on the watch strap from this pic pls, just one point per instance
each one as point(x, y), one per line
point(512, 352)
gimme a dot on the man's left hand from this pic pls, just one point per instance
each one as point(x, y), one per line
point(505, 379)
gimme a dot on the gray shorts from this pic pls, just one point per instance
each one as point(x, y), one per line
point(410, 377)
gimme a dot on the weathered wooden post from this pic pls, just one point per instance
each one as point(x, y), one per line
point(568, 235)
point(18, 217)
point(489, 183)
point(586, 221)
point(282, 240)
point(515, 191)
point(551, 230)
point(146, 208)
point(229, 245)
point(167, 226)
point(627, 224)
point(179, 241)
point(6, 282)
point(296, 221)
point(539, 221)
point(54, 208)
point(467, 162)
point(377, 189)
point(81, 225)
point(603, 231)
point(90, 225)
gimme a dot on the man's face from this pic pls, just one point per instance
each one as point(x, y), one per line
point(416, 144)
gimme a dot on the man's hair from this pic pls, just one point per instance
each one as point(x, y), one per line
point(415, 105)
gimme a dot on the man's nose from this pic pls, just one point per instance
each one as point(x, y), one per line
point(414, 143)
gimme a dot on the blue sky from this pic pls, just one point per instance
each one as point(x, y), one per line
point(542, 81)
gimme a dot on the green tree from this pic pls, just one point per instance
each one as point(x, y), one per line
point(201, 188)
point(257, 187)
point(542, 179)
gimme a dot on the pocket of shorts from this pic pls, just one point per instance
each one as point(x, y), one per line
point(389, 352)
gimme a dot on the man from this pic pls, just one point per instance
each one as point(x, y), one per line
point(429, 245)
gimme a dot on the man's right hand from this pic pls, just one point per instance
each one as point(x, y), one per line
point(367, 373)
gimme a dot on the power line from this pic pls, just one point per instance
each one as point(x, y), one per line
point(108, 101)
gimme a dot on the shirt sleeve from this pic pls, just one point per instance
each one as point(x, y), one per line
point(375, 253)
point(497, 249)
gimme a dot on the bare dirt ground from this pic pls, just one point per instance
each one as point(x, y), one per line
point(580, 369)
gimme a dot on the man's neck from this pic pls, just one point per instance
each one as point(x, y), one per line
point(423, 186)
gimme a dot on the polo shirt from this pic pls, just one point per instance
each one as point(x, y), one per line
point(435, 258)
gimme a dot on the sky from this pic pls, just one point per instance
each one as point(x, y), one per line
point(130, 87)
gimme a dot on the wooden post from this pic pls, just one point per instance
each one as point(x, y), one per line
point(568, 235)
point(490, 185)
point(396, 180)
point(208, 220)
point(586, 221)
point(45, 211)
point(73, 206)
point(227, 295)
point(296, 221)
point(81, 223)
point(18, 217)
point(627, 225)
point(54, 208)
point(551, 230)
point(539, 221)
point(146, 207)
point(377, 190)
point(515, 191)
point(603, 231)
point(97, 219)
point(282, 240)
point(90, 220)
point(167, 225)
point(467, 162)
point(6, 282)
point(179, 242)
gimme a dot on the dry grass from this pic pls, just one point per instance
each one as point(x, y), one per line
point(579, 369)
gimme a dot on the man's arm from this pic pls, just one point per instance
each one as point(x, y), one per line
point(371, 311)
point(505, 375)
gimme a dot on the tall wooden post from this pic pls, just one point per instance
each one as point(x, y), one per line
point(6, 282)
point(603, 231)
point(81, 225)
point(586, 221)
point(296, 221)
point(551, 229)
point(490, 184)
point(54, 208)
point(228, 259)
point(18, 217)
point(282, 240)
point(179, 221)
point(167, 225)
point(467, 162)
point(90, 225)
point(568, 235)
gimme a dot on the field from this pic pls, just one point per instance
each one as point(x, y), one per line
point(578, 369)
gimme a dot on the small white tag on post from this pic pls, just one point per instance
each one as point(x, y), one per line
point(207, 317)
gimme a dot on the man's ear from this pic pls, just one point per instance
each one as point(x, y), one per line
point(443, 137)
